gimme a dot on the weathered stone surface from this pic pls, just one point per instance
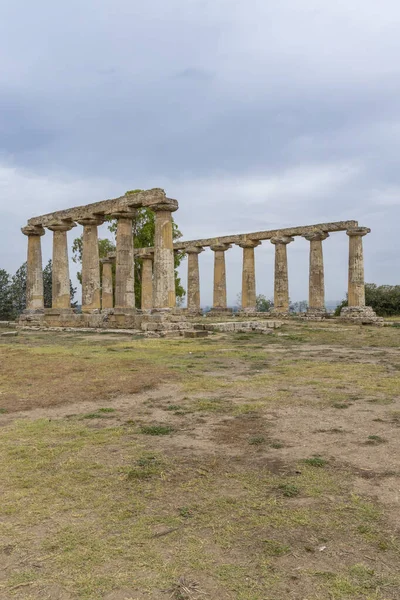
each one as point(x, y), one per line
point(263, 235)
point(61, 297)
point(364, 315)
point(281, 280)
point(195, 333)
point(244, 326)
point(316, 293)
point(219, 297)
point(124, 267)
point(164, 274)
point(145, 198)
point(107, 295)
point(356, 291)
point(90, 265)
point(193, 284)
point(147, 281)
point(8, 333)
point(7, 324)
point(34, 272)
point(249, 276)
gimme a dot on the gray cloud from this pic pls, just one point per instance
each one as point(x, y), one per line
point(253, 114)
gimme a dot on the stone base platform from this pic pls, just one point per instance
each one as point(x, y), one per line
point(364, 315)
point(219, 312)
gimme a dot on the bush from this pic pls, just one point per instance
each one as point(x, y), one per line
point(384, 299)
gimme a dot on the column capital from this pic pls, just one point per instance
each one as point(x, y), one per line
point(281, 239)
point(194, 250)
point(168, 205)
point(249, 243)
point(61, 226)
point(220, 247)
point(316, 236)
point(358, 231)
point(95, 220)
point(147, 255)
point(33, 230)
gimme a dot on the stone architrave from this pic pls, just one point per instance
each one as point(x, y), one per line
point(61, 293)
point(219, 298)
point(249, 275)
point(193, 282)
point(316, 288)
point(107, 295)
point(124, 264)
point(34, 270)
point(91, 300)
point(164, 266)
point(147, 281)
point(281, 280)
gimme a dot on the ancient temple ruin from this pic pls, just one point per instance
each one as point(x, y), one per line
point(104, 306)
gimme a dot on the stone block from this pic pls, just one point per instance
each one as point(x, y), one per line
point(195, 333)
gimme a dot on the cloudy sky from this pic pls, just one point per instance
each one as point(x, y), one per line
point(254, 114)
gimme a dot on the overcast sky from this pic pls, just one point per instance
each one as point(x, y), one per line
point(253, 114)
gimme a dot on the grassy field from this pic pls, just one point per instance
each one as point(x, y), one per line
point(247, 466)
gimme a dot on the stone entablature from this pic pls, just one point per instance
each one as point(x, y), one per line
point(241, 238)
point(154, 199)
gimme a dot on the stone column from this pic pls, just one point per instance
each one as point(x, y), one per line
point(90, 264)
point(164, 268)
point(356, 290)
point(107, 295)
point(124, 265)
point(249, 275)
point(356, 311)
point(147, 281)
point(281, 281)
point(61, 293)
point(219, 300)
point(316, 289)
point(193, 281)
point(34, 271)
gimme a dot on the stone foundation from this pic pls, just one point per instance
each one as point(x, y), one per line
point(364, 315)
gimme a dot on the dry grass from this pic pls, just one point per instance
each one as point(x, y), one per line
point(261, 490)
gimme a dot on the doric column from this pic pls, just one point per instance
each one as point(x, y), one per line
point(316, 288)
point(281, 281)
point(164, 266)
point(34, 271)
point(107, 296)
point(219, 300)
point(61, 293)
point(193, 280)
point(90, 264)
point(356, 290)
point(249, 275)
point(124, 265)
point(147, 280)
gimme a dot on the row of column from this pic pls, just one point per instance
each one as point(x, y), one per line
point(158, 283)
point(94, 295)
point(356, 288)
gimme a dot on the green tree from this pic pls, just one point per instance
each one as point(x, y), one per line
point(6, 307)
point(384, 299)
point(298, 307)
point(263, 304)
point(143, 231)
point(18, 291)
